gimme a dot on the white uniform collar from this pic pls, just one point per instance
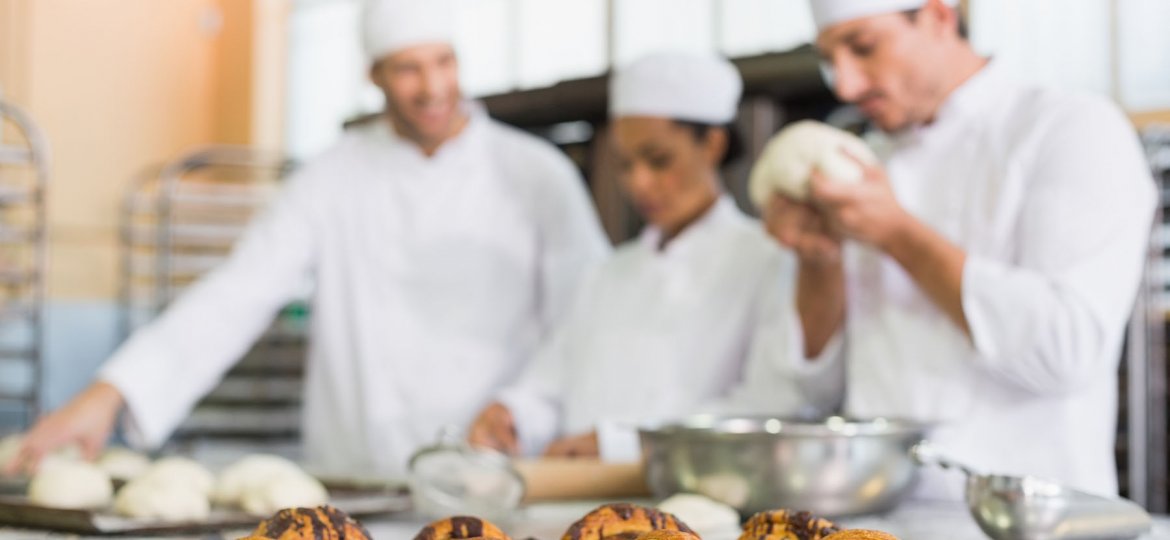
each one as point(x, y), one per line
point(974, 96)
point(969, 101)
point(721, 212)
point(477, 120)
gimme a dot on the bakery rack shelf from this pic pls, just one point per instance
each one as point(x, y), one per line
point(23, 180)
point(180, 221)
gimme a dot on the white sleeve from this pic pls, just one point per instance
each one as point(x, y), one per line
point(168, 365)
point(534, 400)
point(1052, 320)
point(571, 239)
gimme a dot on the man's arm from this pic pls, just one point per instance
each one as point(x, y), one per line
point(167, 366)
point(820, 281)
point(1050, 320)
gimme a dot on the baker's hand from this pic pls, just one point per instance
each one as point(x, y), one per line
point(496, 429)
point(866, 211)
point(576, 446)
point(87, 421)
point(802, 228)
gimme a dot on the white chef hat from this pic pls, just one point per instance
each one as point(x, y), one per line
point(827, 13)
point(677, 85)
point(389, 26)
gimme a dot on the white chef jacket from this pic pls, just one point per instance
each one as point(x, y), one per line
point(1049, 195)
point(435, 278)
point(660, 333)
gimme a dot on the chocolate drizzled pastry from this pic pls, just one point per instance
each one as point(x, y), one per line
point(461, 528)
point(321, 523)
point(860, 534)
point(623, 522)
point(786, 525)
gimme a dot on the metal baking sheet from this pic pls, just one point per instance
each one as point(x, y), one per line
point(17, 512)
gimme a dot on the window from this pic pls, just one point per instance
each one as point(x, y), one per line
point(644, 26)
point(751, 27)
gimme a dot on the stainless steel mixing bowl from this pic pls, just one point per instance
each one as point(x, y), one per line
point(836, 467)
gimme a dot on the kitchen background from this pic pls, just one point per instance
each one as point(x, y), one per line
point(165, 124)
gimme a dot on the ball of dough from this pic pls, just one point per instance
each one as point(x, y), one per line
point(123, 464)
point(149, 498)
point(730, 489)
point(249, 473)
point(788, 160)
point(707, 517)
point(181, 472)
point(71, 484)
point(289, 490)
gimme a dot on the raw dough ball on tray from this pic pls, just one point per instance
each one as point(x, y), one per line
point(71, 484)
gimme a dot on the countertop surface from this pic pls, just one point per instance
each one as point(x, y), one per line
point(913, 521)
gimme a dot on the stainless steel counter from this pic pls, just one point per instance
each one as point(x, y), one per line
point(914, 521)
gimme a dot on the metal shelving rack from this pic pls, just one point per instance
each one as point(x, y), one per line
point(1148, 392)
point(180, 221)
point(23, 178)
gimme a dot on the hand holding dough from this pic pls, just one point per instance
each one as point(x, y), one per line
point(789, 159)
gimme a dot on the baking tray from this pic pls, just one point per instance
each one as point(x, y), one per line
point(17, 512)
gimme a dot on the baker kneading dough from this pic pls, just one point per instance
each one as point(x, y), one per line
point(71, 484)
point(789, 159)
point(709, 518)
point(286, 490)
point(123, 463)
point(183, 472)
point(156, 498)
point(249, 473)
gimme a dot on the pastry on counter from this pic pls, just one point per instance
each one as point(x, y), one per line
point(667, 535)
point(623, 521)
point(461, 528)
point(71, 484)
point(787, 525)
point(321, 523)
point(860, 534)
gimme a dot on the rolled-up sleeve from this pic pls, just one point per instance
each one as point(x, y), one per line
point(168, 365)
point(1053, 318)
